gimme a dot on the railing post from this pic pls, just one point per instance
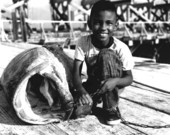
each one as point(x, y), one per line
point(14, 25)
point(23, 24)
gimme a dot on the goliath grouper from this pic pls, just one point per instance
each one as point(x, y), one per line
point(37, 84)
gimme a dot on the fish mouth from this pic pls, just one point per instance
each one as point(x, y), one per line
point(43, 97)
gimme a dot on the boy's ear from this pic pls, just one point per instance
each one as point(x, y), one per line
point(116, 25)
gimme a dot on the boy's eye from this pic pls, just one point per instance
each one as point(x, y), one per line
point(100, 23)
point(96, 22)
point(109, 23)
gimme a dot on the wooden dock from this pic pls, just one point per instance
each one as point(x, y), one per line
point(145, 105)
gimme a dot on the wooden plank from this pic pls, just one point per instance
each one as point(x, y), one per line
point(7, 53)
point(90, 125)
point(157, 80)
point(153, 74)
point(153, 66)
point(138, 114)
point(148, 97)
point(9, 50)
point(19, 45)
point(30, 130)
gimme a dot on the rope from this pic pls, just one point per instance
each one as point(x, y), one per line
point(123, 121)
point(144, 125)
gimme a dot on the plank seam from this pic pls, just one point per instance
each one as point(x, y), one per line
point(161, 90)
point(145, 105)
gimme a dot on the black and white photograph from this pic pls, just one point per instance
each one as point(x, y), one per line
point(84, 67)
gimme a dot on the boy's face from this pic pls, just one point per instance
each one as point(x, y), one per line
point(103, 25)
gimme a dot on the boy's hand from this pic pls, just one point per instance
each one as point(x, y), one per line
point(108, 85)
point(85, 98)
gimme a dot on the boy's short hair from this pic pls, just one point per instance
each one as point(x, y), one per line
point(103, 5)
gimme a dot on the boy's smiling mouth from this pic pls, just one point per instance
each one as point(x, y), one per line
point(102, 35)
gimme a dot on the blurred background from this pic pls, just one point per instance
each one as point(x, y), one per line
point(144, 25)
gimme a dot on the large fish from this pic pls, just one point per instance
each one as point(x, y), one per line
point(37, 83)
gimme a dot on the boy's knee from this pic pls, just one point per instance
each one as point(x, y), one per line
point(108, 65)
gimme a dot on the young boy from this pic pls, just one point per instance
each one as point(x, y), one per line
point(109, 62)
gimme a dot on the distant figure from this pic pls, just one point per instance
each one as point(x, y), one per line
point(60, 12)
point(109, 64)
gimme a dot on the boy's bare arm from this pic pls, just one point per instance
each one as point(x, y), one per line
point(77, 75)
point(84, 96)
point(111, 83)
point(126, 79)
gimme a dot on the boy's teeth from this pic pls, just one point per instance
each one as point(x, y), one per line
point(103, 34)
